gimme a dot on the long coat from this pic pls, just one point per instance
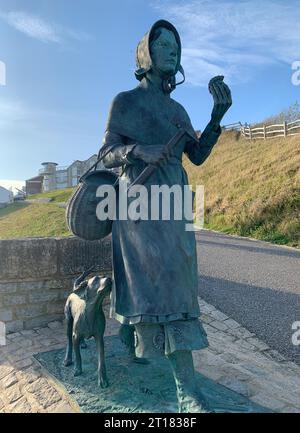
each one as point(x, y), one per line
point(155, 276)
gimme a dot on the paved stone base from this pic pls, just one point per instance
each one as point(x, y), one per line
point(134, 387)
point(235, 359)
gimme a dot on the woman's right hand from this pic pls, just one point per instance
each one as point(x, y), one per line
point(151, 154)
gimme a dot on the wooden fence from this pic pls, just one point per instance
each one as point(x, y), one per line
point(237, 126)
point(285, 129)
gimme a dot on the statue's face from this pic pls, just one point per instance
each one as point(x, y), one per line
point(164, 52)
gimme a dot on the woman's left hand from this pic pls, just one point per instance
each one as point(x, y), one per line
point(222, 98)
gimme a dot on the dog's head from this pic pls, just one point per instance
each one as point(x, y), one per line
point(98, 287)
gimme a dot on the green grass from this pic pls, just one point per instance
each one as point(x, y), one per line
point(252, 188)
point(5, 211)
point(60, 195)
point(33, 220)
point(20, 220)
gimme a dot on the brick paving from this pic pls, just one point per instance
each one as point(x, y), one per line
point(235, 359)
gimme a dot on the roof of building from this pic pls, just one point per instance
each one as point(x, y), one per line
point(5, 189)
point(85, 160)
point(35, 179)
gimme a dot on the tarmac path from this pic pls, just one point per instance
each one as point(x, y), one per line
point(255, 283)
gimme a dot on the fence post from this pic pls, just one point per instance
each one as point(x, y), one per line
point(250, 133)
point(265, 133)
point(285, 128)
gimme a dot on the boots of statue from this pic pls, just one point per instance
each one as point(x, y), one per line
point(189, 396)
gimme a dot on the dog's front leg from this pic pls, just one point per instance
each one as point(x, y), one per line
point(102, 376)
point(78, 365)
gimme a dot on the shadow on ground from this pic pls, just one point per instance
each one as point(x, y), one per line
point(14, 207)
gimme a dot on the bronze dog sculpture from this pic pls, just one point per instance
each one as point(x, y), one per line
point(85, 319)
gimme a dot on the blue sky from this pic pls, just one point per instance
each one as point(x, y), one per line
point(65, 61)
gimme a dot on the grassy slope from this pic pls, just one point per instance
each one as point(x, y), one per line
point(31, 220)
point(252, 188)
point(57, 196)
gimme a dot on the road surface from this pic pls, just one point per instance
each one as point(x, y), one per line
point(254, 282)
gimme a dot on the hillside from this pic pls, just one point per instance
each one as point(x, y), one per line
point(34, 219)
point(252, 188)
point(57, 196)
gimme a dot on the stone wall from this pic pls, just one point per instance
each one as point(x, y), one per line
point(36, 276)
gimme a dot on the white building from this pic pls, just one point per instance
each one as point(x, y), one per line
point(55, 177)
point(6, 197)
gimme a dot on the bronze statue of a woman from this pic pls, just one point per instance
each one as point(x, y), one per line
point(155, 278)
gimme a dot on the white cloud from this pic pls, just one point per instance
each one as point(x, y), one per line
point(233, 38)
point(37, 28)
